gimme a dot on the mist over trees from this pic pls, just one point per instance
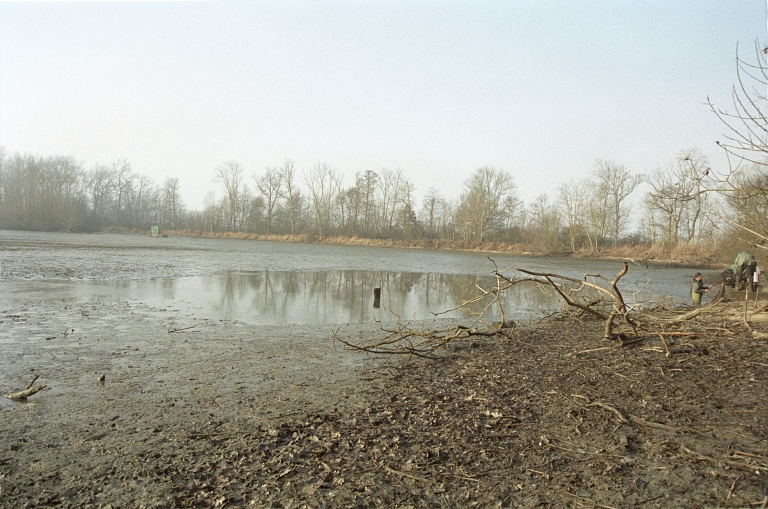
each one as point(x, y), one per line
point(683, 202)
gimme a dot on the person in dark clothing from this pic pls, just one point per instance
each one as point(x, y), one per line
point(744, 267)
point(697, 289)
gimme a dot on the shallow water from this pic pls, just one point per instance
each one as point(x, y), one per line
point(289, 283)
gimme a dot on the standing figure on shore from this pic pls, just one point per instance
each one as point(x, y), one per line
point(697, 289)
point(745, 267)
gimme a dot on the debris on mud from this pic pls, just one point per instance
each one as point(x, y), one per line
point(550, 415)
point(29, 391)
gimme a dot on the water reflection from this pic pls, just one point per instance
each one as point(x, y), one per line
point(305, 297)
point(340, 296)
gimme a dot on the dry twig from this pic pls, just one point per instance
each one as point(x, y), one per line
point(29, 391)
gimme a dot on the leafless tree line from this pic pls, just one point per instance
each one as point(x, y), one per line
point(58, 193)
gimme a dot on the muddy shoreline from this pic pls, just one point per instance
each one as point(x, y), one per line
point(152, 407)
point(123, 379)
point(206, 417)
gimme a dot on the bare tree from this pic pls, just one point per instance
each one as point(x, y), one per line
point(321, 182)
point(172, 201)
point(745, 182)
point(101, 188)
point(406, 215)
point(390, 187)
point(614, 185)
point(677, 197)
point(293, 197)
point(573, 200)
point(429, 210)
point(481, 204)
point(367, 183)
point(748, 202)
point(746, 137)
point(245, 206)
point(212, 214)
point(338, 202)
point(354, 202)
point(230, 174)
point(446, 219)
point(270, 185)
point(63, 193)
point(123, 180)
point(512, 209)
point(544, 224)
point(139, 200)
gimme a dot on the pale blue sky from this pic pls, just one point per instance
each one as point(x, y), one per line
point(539, 88)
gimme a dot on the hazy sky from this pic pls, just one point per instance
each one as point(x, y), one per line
point(539, 88)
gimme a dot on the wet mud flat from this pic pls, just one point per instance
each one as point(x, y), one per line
point(124, 380)
point(209, 416)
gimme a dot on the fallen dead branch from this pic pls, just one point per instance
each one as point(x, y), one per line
point(640, 420)
point(171, 329)
point(404, 340)
point(406, 474)
point(592, 295)
point(619, 308)
point(623, 418)
point(686, 316)
point(29, 391)
point(583, 500)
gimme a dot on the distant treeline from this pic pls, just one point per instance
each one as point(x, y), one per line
point(58, 194)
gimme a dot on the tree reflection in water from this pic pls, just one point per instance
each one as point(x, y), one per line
point(346, 296)
point(304, 297)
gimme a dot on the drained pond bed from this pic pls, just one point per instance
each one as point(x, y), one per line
point(551, 415)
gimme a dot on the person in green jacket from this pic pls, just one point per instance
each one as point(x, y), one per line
point(745, 267)
point(697, 289)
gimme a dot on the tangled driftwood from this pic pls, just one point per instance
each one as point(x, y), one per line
point(593, 295)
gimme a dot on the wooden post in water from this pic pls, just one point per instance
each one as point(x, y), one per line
point(377, 298)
